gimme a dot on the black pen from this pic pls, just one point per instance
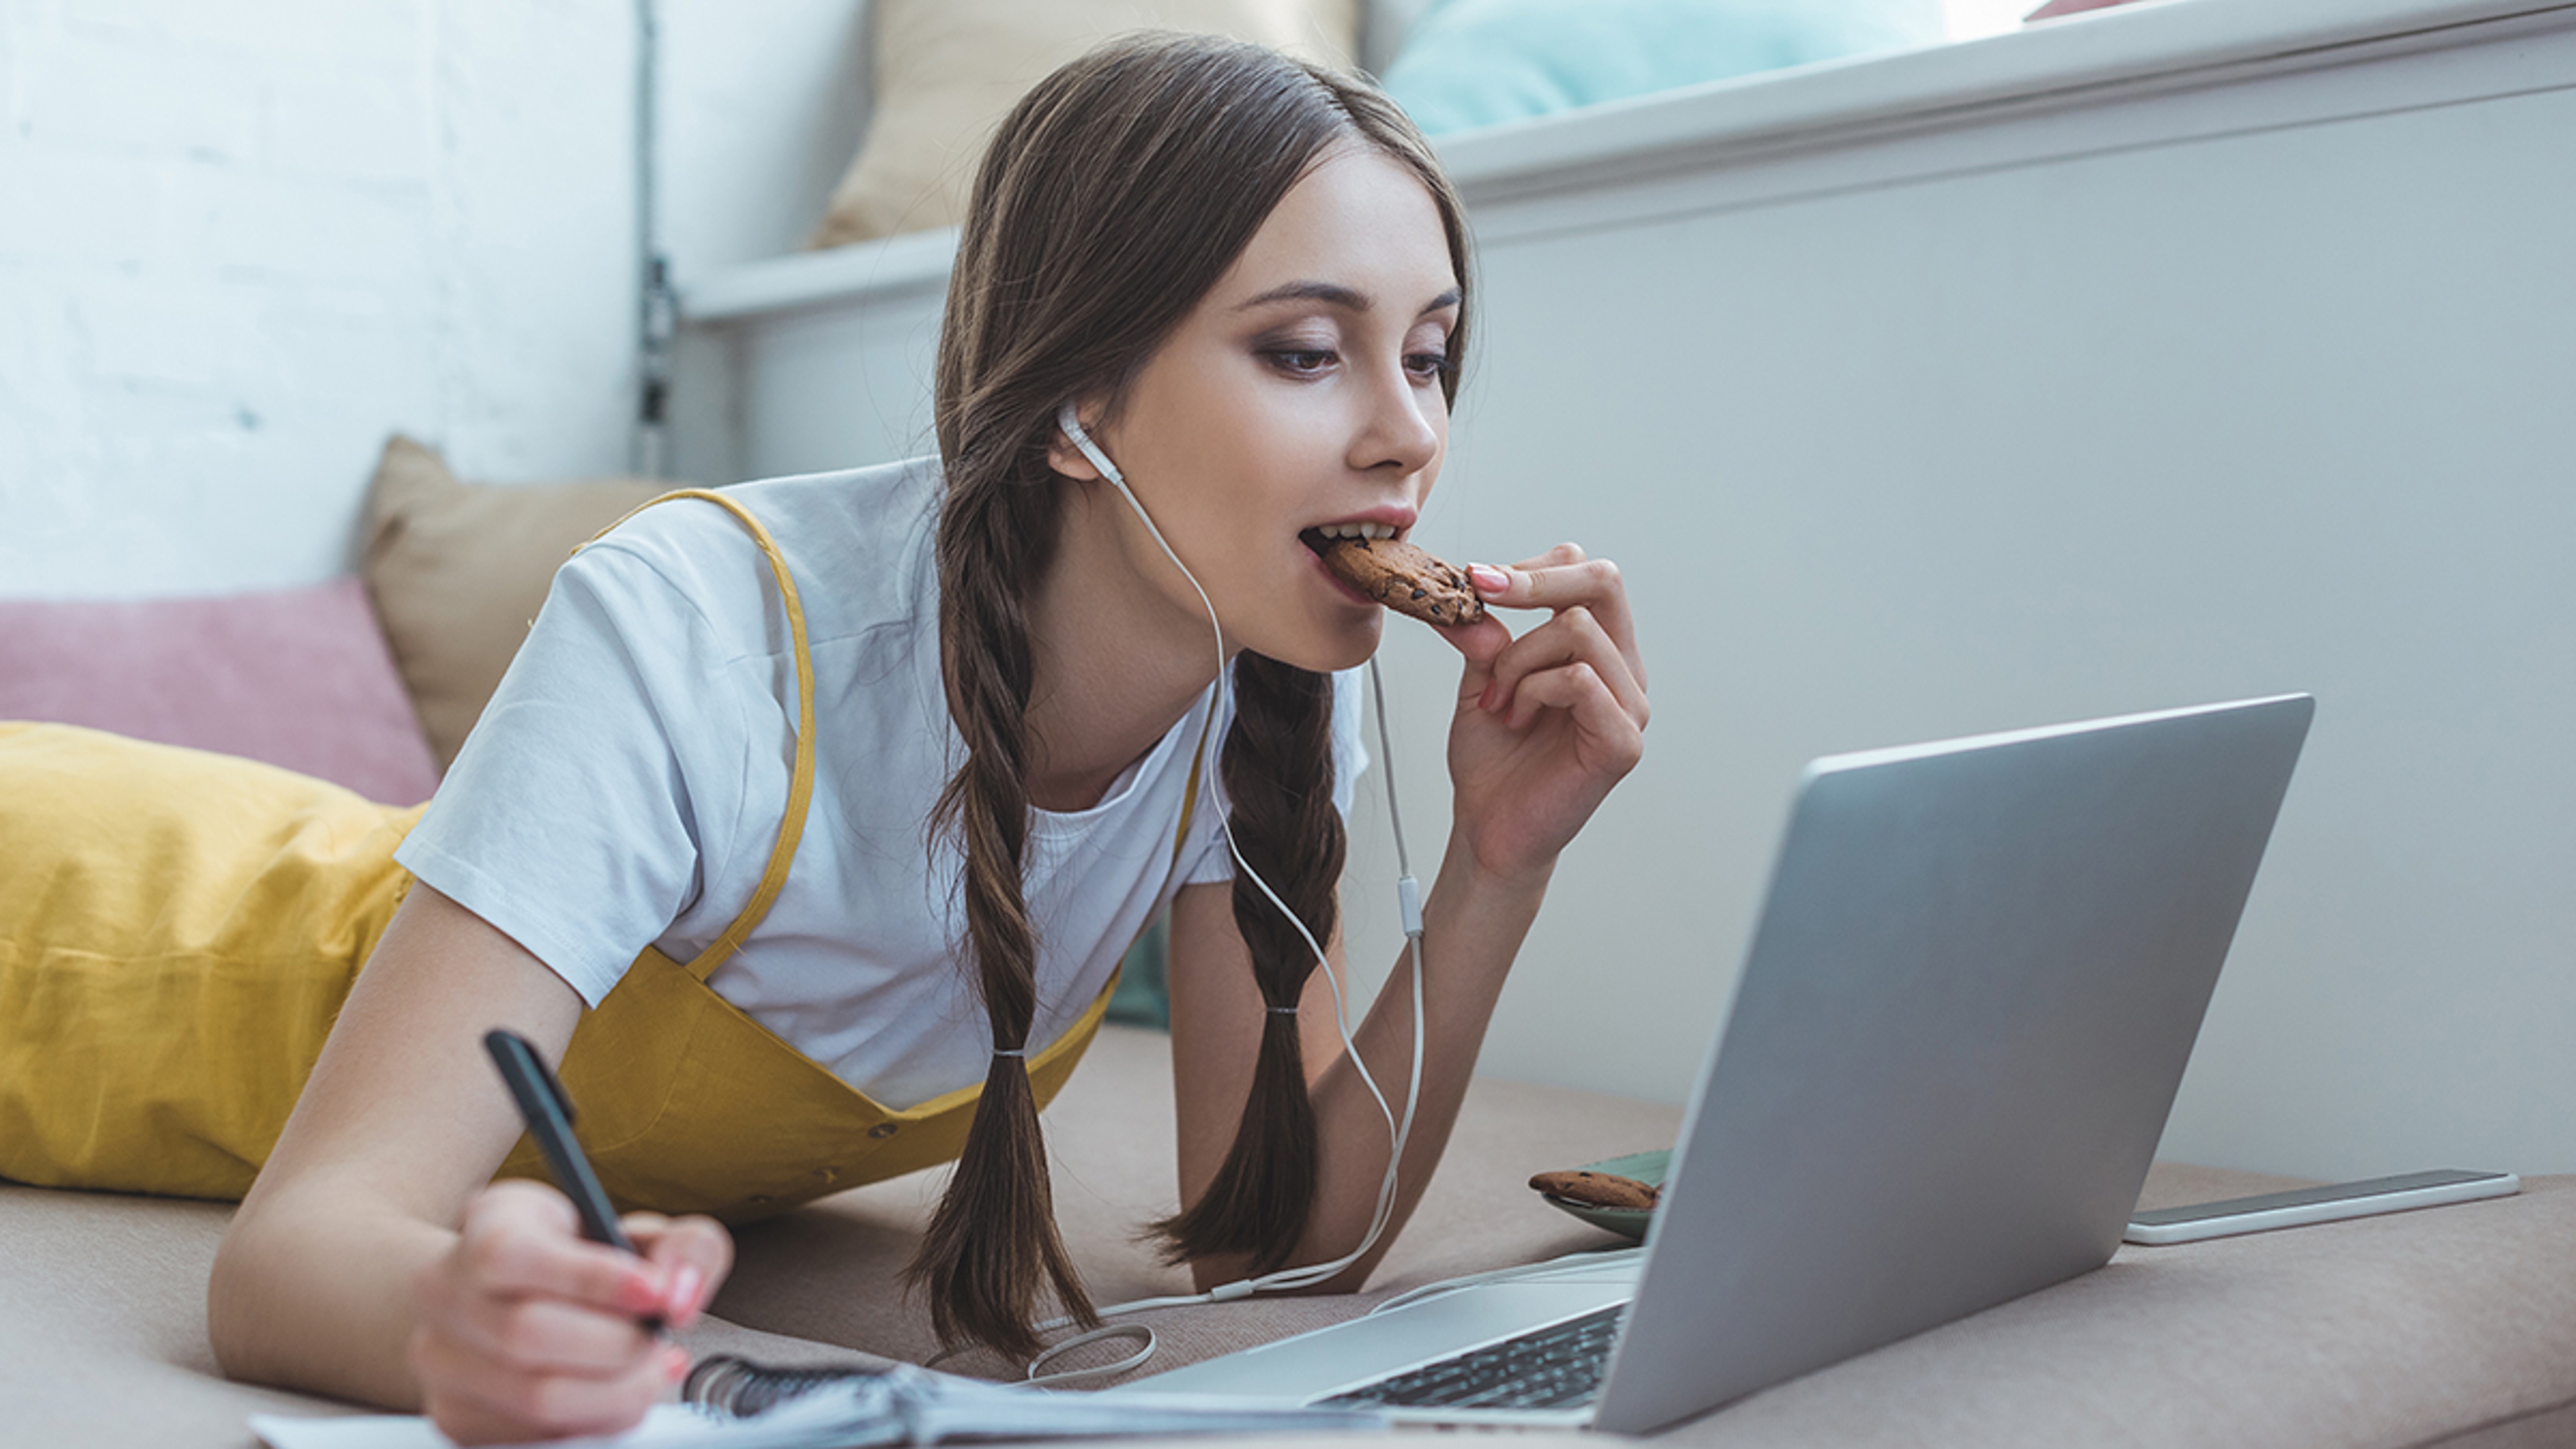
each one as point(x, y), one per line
point(549, 1115)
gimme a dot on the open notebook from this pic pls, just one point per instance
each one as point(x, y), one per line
point(902, 1405)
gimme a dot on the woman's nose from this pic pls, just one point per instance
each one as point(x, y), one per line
point(1397, 431)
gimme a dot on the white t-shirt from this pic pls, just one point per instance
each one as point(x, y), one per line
point(625, 785)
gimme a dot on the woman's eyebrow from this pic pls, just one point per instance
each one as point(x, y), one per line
point(1334, 294)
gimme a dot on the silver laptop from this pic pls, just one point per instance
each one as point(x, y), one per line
point(1967, 1006)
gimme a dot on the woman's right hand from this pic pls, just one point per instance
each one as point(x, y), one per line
point(526, 1330)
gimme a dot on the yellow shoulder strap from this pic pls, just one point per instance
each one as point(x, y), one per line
point(1190, 801)
point(800, 784)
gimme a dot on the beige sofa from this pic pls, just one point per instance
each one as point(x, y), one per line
point(2452, 1326)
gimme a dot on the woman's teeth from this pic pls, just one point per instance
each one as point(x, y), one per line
point(1357, 530)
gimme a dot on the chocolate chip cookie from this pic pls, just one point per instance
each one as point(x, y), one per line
point(1597, 1189)
point(1405, 579)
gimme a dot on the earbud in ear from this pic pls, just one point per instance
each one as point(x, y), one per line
point(1072, 425)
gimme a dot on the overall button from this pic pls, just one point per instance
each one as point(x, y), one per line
point(881, 1130)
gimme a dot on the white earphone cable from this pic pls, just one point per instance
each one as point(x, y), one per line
point(1399, 1130)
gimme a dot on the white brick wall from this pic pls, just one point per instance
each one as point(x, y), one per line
point(763, 106)
point(239, 243)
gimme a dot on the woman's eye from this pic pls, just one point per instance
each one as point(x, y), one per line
point(1427, 366)
point(1301, 361)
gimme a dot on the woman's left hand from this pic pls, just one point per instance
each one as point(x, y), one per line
point(1548, 722)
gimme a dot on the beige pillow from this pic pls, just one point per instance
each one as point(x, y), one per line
point(457, 570)
point(947, 71)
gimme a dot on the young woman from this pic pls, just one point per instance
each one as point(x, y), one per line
point(811, 822)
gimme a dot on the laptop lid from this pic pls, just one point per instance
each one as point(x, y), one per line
point(1968, 1004)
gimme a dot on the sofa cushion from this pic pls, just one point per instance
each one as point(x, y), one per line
point(292, 677)
point(2452, 1325)
point(103, 1327)
point(457, 571)
point(1110, 1134)
point(948, 70)
point(2405, 1329)
point(1470, 63)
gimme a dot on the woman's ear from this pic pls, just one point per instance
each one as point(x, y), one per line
point(1063, 456)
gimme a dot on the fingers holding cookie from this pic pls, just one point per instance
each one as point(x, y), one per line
point(1573, 642)
point(1584, 659)
point(1565, 577)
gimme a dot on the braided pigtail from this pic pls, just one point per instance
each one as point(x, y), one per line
point(993, 1241)
point(1278, 770)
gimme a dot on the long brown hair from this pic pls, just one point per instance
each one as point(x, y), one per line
point(1113, 197)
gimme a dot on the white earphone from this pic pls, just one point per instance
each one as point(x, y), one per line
point(1409, 898)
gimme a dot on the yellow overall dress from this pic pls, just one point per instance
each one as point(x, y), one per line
point(179, 929)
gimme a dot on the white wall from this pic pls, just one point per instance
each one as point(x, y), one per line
point(2133, 401)
point(241, 243)
point(763, 106)
point(1968, 19)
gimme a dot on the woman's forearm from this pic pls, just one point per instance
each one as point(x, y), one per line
point(312, 1290)
point(399, 1125)
point(1547, 724)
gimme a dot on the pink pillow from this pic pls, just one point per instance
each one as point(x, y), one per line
point(299, 678)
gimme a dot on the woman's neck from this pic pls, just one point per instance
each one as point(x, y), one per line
point(1114, 665)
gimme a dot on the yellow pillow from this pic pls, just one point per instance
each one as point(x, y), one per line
point(457, 570)
point(947, 71)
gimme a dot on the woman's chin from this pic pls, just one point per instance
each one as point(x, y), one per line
point(1345, 643)
point(1358, 642)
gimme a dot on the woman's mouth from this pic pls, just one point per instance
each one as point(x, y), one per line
point(1319, 539)
point(1323, 536)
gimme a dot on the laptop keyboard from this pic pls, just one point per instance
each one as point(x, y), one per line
point(1556, 1367)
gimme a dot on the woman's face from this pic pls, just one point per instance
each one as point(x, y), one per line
point(1302, 393)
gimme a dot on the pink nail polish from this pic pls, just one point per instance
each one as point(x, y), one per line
point(1488, 578)
point(675, 1363)
point(637, 1294)
point(686, 1283)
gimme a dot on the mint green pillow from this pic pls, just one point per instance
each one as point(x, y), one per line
point(1470, 63)
point(1144, 994)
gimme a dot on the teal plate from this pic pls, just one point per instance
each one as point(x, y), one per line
point(1646, 1167)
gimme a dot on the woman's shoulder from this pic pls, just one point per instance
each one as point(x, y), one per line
point(857, 543)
